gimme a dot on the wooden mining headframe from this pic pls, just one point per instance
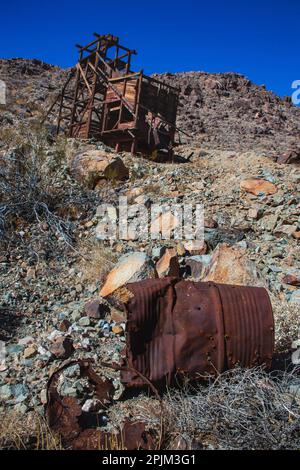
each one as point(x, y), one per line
point(104, 99)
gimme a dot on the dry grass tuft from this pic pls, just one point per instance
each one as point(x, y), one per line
point(287, 324)
point(241, 409)
point(97, 260)
point(30, 432)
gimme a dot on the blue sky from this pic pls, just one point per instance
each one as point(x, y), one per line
point(259, 39)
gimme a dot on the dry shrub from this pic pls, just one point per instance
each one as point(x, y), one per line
point(97, 260)
point(241, 409)
point(287, 324)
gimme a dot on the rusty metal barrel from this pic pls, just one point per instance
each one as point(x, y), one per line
point(178, 329)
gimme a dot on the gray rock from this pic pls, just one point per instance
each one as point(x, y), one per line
point(295, 297)
point(84, 321)
point(20, 392)
point(6, 392)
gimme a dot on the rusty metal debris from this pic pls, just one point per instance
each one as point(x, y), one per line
point(104, 99)
point(178, 329)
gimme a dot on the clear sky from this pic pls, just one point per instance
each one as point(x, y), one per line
point(258, 38)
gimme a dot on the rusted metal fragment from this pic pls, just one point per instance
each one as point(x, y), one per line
point(178, 329)
point(79, 429)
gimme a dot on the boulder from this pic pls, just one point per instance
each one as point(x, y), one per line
point(131, 267)
point(95, 309)
point(196, 247)
point(168, 264)
point(288, 230)
point(62, 347)
point(196, 266)
point(293, 279)
point(164, 223)
point(230, 265)
point(258, 186)
point(91, 166)
point(291, 156)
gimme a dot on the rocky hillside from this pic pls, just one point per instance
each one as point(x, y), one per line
point(55, 270)
point(225, 111)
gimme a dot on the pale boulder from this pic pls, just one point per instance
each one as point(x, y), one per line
point(230, 265)
point(131, 267)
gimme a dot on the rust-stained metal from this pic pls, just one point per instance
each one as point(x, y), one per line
point(181, 329)
point(176, 330)
point(104, 99)
point(81, 430)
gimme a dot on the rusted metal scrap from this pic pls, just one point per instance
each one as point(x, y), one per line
point(178, 329)
point(81, 430)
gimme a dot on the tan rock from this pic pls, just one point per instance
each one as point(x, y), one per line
point(253, 213)
point(164, 223)
point(285, 230)
point(132, 267)
point(117, 330)
point(29, 352)
point(230, 265)
point(118, 316)
point(297, 235)
point(90, 166)
point(31, 274)
point(256, 186)
point(292, 279)
point(168, 264)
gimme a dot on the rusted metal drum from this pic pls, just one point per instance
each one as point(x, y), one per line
point(177, 329)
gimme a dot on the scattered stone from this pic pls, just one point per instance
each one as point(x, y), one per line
point(269, 222)
point(197, 265)
point(62, 347)
point(64, 325)
point(31, 274)
point(295, 297)
point(29, 352)
point(117, 330)
point(131, 267)
point(196, 247)
point(92, 405)
point(20, 392)
point(84, 321)
point(285, 230)
point(43, 396)
point(210, 223)
point(230, 265)
point(296, 235)
point(292, 279)
point(6, 392)
point(92, 165)
point(118, 316)
point(258, 186)
point(96, 309)
point(254, 213)
point(164, 224)
point(26, 341)
point(168, 264)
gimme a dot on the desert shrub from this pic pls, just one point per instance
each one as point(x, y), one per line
point(30, 432)
point(31, 184)
point(241, 409)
